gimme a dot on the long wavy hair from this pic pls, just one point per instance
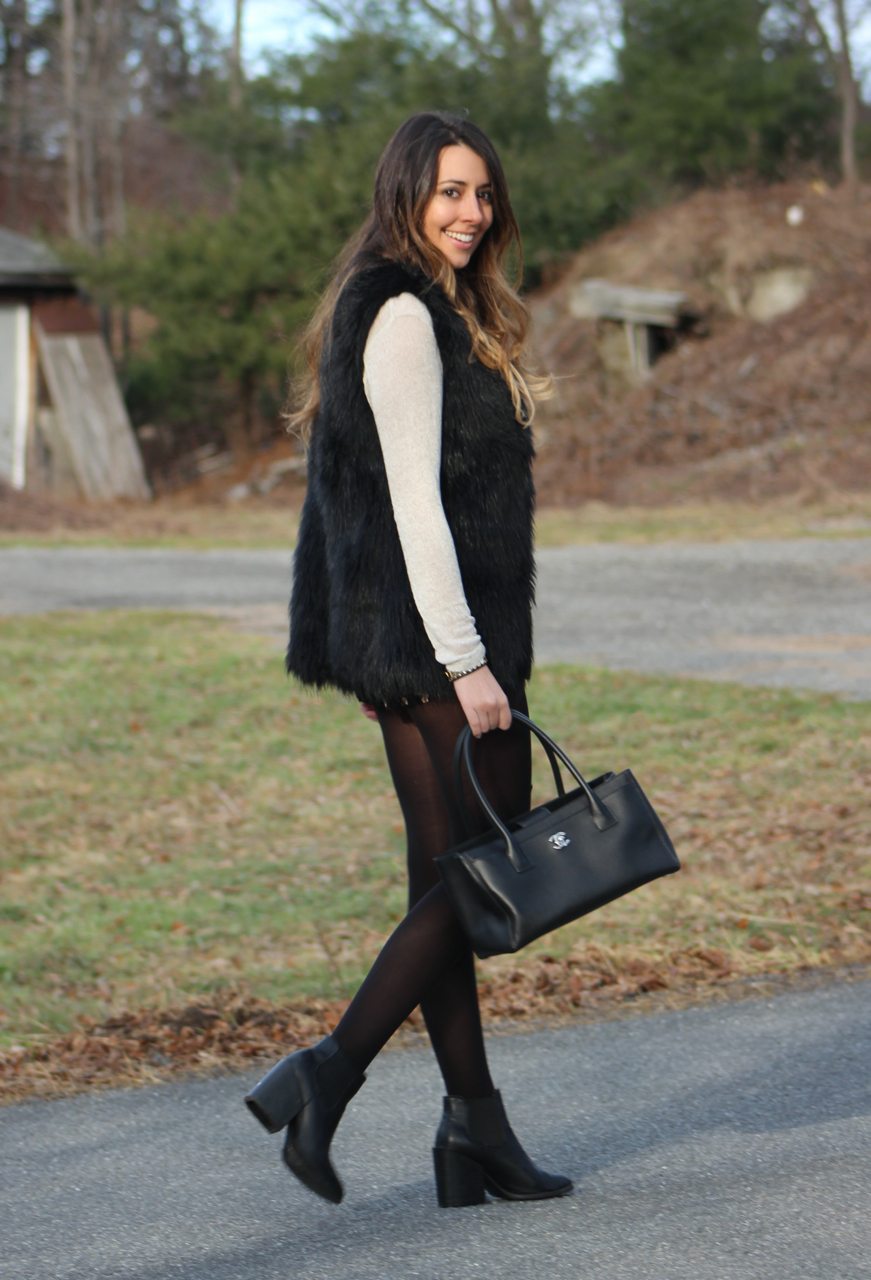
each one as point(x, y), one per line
point(488, 302)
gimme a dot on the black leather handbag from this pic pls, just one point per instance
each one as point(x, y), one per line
point(538, 871)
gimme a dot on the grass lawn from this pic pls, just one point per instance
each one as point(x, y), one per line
point(176, 522)
point(173, 819)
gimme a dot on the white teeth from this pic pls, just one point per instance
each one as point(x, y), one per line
point(458, 236)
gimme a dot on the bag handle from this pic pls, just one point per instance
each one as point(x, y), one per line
point(601, 814)
point(465, 733)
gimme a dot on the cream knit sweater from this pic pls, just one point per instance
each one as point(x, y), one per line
point(402, 378)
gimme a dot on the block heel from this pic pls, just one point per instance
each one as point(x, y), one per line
point(277, 1098)
point(459, 1180)
point(306, 1093)
point(477, 1151)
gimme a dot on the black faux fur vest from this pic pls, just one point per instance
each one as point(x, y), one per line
point(353, 621)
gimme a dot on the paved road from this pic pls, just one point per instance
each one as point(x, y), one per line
point(731, 1142)
point(787, 613)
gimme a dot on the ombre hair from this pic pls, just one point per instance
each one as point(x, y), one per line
point(482, 294)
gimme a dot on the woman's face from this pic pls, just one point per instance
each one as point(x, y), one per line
point(460, 210)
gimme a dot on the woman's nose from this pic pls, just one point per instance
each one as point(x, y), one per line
point(472, 209)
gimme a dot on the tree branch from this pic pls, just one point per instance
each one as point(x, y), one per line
point(447, 20)
point(339, 17)
point(807, 10)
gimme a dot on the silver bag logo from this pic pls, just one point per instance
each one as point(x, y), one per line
point(559, 840)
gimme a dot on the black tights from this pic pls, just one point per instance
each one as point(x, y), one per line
point(427, 961)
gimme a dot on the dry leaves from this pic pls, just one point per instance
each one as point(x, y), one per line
point(238, 1029)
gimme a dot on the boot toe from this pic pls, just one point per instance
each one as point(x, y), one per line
point(308, 1092)
point(316, 1176)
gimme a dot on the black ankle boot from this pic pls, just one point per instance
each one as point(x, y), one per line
point(476, 1150)
point(308, 1091)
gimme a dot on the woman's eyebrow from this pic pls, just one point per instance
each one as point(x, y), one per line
point(461, 182)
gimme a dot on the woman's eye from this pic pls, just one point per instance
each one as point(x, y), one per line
point(450, 191)
point(486, 196)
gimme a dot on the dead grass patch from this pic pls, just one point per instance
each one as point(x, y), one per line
point(172, 819)
point(185, 523)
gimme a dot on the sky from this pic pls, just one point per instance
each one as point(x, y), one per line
point(274, 24)
point(290, 25)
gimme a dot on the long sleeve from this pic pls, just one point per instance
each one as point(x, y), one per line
point(402, 378)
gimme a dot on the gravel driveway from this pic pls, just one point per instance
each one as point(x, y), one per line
point(724, 1143)
point(790, 613)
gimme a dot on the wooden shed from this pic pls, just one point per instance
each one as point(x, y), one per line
point(635, 325)
point(64, 428)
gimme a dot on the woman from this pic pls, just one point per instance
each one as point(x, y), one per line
point(413, 581)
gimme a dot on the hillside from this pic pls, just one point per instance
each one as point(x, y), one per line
point(742, 406)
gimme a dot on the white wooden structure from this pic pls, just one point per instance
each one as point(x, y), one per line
point(643, 314)
point(63, 424)
point(14, 391)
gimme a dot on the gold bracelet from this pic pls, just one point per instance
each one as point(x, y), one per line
point(458, 675)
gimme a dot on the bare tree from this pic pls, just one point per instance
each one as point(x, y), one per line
point(118, 94)
point(528, 29)
point(236, 58)
point(15, 27)
point(98, 104)
point(832, 24)
point(74, 76)
point(69, 42)
point(91, 36)
point(236, 82)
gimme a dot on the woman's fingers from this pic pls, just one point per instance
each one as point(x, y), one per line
point(484, 701)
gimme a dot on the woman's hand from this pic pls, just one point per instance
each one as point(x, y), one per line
point(484, 701)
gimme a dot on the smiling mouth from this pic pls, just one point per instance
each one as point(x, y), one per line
point(460, 238)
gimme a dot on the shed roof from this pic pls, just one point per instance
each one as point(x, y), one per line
point(28, 262)
point(593, 299)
